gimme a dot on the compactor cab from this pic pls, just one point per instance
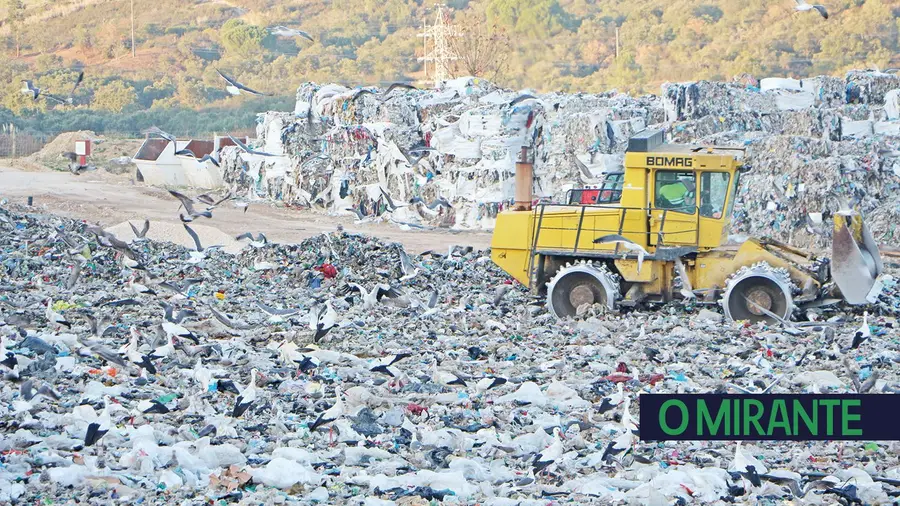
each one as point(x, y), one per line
point(658, 230)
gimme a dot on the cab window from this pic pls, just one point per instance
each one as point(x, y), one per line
point(676, 191)
point(611, 191)
point(713, 193)
point(734, 194)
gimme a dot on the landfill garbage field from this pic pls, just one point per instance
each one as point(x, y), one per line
point(343, 371)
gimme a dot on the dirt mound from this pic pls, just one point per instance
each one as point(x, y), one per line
point(105, 153)
point(51, 154)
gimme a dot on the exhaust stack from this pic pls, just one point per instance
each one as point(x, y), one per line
point(524, 180)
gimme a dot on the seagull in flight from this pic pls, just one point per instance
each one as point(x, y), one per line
point(407, 267)
point(283, 31)
point(384, 95)
point(142, 233)
point(256, 242)
point(159, 133)
point(71, 98)
point(802, 6)
point(245, 148)
point(188, 204)
point(370, 298)
point(276, 315)
point(199, 254)
point(235, 87)
point(395, 86)
point(522, 98)
point(29, 88)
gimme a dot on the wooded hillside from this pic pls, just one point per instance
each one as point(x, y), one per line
point(567, 45)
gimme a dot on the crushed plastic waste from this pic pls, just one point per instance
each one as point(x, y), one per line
point(107, 395)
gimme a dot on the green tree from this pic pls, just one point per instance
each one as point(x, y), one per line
point(15, 15)
point(160, 89)
point(114, 96)
point(83, 38)
point(243, 39)
point(46, 62)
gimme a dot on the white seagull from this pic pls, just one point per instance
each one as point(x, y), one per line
point(802, 6)
point(199, 253)
point(407, 267)
point(627, 245)
point(283, 31)
point(137, 288)
point(371, 298)
point(445, 378)
point(258, 242)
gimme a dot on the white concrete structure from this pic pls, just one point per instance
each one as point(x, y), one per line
point(159, 166)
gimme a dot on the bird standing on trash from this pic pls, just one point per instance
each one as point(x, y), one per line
point(863, 333)
point(322, 321)
point(246, 398)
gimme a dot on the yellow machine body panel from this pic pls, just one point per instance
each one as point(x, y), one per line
point(711, 269)
point(511, 244)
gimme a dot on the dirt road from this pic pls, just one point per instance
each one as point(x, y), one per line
point(110, 200)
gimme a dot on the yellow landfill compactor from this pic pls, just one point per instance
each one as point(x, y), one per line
point(658, 231)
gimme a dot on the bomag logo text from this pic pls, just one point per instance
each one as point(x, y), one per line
point(669, 161)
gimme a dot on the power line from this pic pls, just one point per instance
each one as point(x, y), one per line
point(439, 33)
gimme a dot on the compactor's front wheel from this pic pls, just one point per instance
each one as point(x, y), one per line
point(758, 293)
point(579, 284)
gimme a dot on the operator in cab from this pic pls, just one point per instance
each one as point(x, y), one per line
point(678, 195)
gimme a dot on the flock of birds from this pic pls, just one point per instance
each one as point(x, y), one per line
point(209, 368)
point(133, 355)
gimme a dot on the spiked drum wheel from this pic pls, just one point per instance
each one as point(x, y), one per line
point(755, 293)
point(579, 284)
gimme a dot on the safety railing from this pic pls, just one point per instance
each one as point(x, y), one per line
point(662, 235)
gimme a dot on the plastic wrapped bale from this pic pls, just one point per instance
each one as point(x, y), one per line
point(813, 123)
point(828, 91)
point(270, 131)
point(868, 87)
point(695, 100)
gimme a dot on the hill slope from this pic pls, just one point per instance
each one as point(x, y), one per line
point(568, 45)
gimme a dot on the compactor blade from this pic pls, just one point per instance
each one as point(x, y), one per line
point(855, 261)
